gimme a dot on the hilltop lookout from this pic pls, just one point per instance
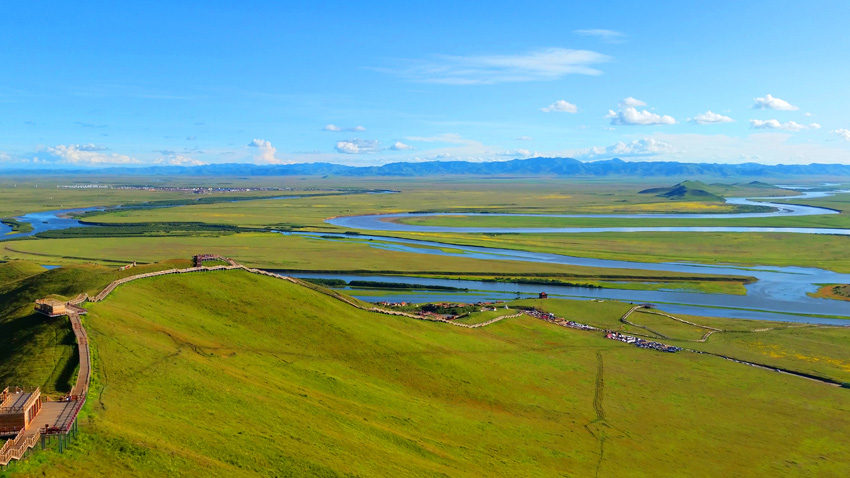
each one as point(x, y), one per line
point(51, 307)
point(18, 409)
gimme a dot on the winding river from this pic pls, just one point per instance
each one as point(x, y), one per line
point(386, 222)
point(780, 293)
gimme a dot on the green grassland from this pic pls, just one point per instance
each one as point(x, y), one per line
point(232, 374)
point(839, 202)
point(37, 350)
point(294, 253)
point(816, 349)
point(24, 194)
point(754, 248)
point(542, 197)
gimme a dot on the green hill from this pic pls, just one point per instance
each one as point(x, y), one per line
point(16, 270)
point(686, 191)
point(36, 350)
point(233, 374)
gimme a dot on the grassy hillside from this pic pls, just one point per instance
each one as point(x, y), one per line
point(232, 374)
point(36, 350)
point(16, 270)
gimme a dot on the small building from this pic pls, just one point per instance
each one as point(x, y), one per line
point(543, 295)
point(51, 307)
point(18, 409)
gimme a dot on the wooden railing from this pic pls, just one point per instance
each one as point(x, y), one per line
point(14, 449)
point(26, 405)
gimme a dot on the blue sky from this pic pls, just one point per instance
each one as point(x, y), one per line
point(365, 83)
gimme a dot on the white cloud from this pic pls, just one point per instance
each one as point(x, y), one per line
point(641, 147)
point(179, 160)
point(773, 103)
point(560, 106)
point(266, 153)
point(631, 102)
point(519, 153)
point(399, 146)
point(709, 117)
point(357, 146)
point(775, 124)
point(608, 36)
point(335, 128)
point(540, 65)
point(842, 133)
point(88, 154)
point(525, 138)
point(631, 116)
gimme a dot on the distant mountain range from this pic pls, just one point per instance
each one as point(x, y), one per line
point(516, 167)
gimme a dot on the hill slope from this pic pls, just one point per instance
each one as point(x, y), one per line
point(36, 350)
point(232, 374)
point(686, 190)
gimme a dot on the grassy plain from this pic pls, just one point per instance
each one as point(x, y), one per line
point(542, 196)
point(815, 349)
point(201, 375)
point(763, 248)
point(297, 253)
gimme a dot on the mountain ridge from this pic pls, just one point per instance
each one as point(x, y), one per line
point(537, 166)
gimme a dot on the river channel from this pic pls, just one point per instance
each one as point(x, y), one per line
point(780, 293)
point(386, 222)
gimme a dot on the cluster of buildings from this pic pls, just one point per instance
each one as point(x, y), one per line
point(549, 317)
point(642, 343)
point(393, 304)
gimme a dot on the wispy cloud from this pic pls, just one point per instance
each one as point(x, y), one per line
point(608, 36)
point(842, 133)
point(772, 103)
point(775, 124)
point(179, 160)
point(450, 138)
point(335, 128)
point(560, 106)
point(540, 65)
point(519, 153)
point(525, 138)
point(710, 117)
point(89, 125)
